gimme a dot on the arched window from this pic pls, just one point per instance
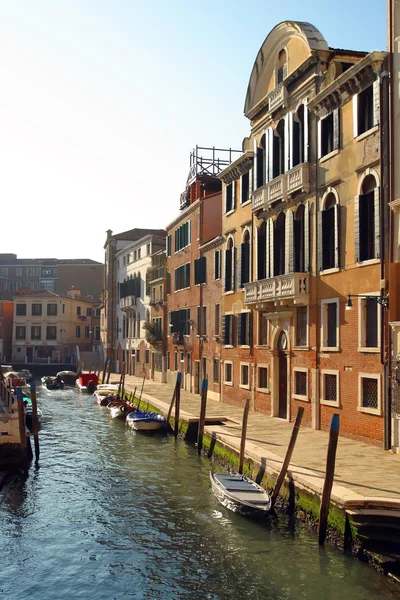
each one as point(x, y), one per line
point(279, 245)
point(245, 260)
point(262, 251)
point(328, 243)
point(279, 149)
point(299, 240)
point(281, 66)
point(298, 136)
point(138, 325)
point(261, 153)
point(230, 266)
point(367, 228)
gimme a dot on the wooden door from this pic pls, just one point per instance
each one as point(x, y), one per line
point(282, 386)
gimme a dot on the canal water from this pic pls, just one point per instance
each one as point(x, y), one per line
point(111, 514)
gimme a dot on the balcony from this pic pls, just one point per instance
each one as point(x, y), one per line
point(157, 273)
point(128, 303)
point(293, 287)
point(281, 187)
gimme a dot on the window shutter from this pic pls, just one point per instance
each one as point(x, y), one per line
point(200, 270)
point(336, 208)
point(240, 263)
point(266, 155)
point(305, 154)
point(240, 328)
point(289, 242)
point(168, 282)
point(286, 142)
point(377, 223)
point(355, 115)
point(270, 154)
point(223, 329)
point(250, 329)
point(233, 194)
point(250, 183)
point(231, 319)
point(376, 102)
point(319, 242)
point(267, 260)
point(189, 232)
point(255, 164)
point(290, 138)
point(336, 129)
point(199, 324)
point(233, 273)
point(357, 201)
point(307, 238)
point(319, 138)
point(225, 199)
point(271, 248)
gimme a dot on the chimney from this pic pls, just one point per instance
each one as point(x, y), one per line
point(73, 292)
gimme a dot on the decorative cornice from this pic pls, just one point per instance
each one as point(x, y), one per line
point(214, 243)
point(351, 82)
point(237, 168)
point(184, 214)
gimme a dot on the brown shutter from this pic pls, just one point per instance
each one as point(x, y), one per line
point(377, 227)
point(357, 200)
point(337, 235)
point(307, 238)
point(289, 266)
point(336, 129)
point(376, 102)
point(319, 242)
point(271, 248)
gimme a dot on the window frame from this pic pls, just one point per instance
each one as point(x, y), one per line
point(258, 388)
point(226, 382)
point(307, 344)
point(364, 409)
point(362, 325)
point(296, 396)
point(245, 386)
point(324, 325)
point(323, 400)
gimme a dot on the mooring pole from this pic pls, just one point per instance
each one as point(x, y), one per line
point(105, 370)
point(289, 452)
point(203, 405)
point(244, 433)
point(178, 381)
point(109, 371)
point(22, 429)
point(177, 404)
point(141, 391)
point(35, 421)
point(121, 379)
point(330, 471)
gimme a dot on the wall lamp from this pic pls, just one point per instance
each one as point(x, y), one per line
point(382, 300)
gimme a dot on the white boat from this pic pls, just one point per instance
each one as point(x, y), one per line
point(118, 410)
point(113, 387)
point(87, 382)
point(145, 421)
point(240, 494)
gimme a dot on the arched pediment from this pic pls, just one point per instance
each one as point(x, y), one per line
point(298, 39)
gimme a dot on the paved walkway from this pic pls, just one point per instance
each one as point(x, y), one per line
point(362, 471)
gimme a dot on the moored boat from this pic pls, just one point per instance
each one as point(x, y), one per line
point(52, 383)
point(240, 494)
point(87, 382)
point(145, 421)
point(27, 402)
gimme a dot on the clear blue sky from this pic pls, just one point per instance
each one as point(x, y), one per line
point(102, 101)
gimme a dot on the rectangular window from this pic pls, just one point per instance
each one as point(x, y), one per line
point(36, 310)
point(217, 319)
point(229, 197)
point(188, 363)
point(78, 331)
point(244, 328)
point(29, 271)
point(20, 310)
point(263, 329)
point(300, 383)
point(147, 356)
point(51, 332)
point(245, 376)
point(19, 271)
point(20, 332)
point(179, 321)
point(227, 329)
point(330, 324)
point(202, 321)
point(168, 245)
point(97, 312)
point(168, 360)
point(200, 268)
point(139, 253)
point(11, 286)
point(175, 361)
point(35, 271)
point(182, 277)
point(18, 285)
point(148, 249)
point(87, 331)
point(217, 264)
point(245, 195)
point(36, 332)
point(365, 110)
point(368, 325)
point(330, 387)
point(182, 236)
point(262, 378)
point(52, 310)
point(88, 312)
point(329, 138)
point(215, 370)
point(228, 373)
point(301, 326)
point(369, 399)
point(78, 311)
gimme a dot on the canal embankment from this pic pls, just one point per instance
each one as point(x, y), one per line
point(364, 512)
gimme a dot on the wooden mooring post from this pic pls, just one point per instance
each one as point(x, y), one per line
point(109, 371)
point(178, 379)
point(288, 457)
point(22, 430)
point(35, 420)
point(244, 433)
point(177, 405)
point(104, 371)
point(330, 472)
point(141, 391)
point(203, 405)
point(121, 380)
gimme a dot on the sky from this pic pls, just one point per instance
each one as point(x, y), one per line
point(102, 101)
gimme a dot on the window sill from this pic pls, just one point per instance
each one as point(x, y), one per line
point(334, 403)
point(262, 347)
point(229, 292)
point(370, 261)
point(263, 390)
point(374, 350)
point(246, 203)
point(302, 348)
point(181, 289)
point(366, 134)
point(302, 398)
point(330, 349)
point(370, 411)
point(230, 383)
point(244, 387)
point(330, 271)
point(230, 212)
point(227, 346)
point(328, 156)
point(245, 346)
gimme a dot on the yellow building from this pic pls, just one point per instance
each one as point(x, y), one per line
point(303, 226)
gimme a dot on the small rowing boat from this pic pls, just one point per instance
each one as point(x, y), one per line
point(240, 494)
point(145, 421)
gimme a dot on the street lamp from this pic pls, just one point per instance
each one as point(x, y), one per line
point(382, 300)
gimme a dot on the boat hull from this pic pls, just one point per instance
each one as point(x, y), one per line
point(235, 493)
point(145, 421)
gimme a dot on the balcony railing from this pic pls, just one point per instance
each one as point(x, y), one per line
point(294, 286)
point(127, 303)
point(277, 98)
point(157, 273)
point(279, 188)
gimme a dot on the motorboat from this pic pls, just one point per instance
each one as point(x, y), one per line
point(120, 408)
point(105, 396)
point(25, 374)
point(145, 421)
point(27, 402)
point(87, 382)
point(68, 377)
point(52, 383)
point(240, 494)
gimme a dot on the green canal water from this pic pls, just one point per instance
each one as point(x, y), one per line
point(110, 514)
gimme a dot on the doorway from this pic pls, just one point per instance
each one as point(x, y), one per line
point(29, 354)
point(282, 376)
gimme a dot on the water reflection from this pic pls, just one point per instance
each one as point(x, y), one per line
point(110, 513)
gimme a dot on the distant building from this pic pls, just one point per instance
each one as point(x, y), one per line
point(157, 328)
point(6, 330)
point(53, 274)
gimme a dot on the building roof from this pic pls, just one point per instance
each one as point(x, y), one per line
point(135, 234)
point(8, 259)
point(52, 295)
